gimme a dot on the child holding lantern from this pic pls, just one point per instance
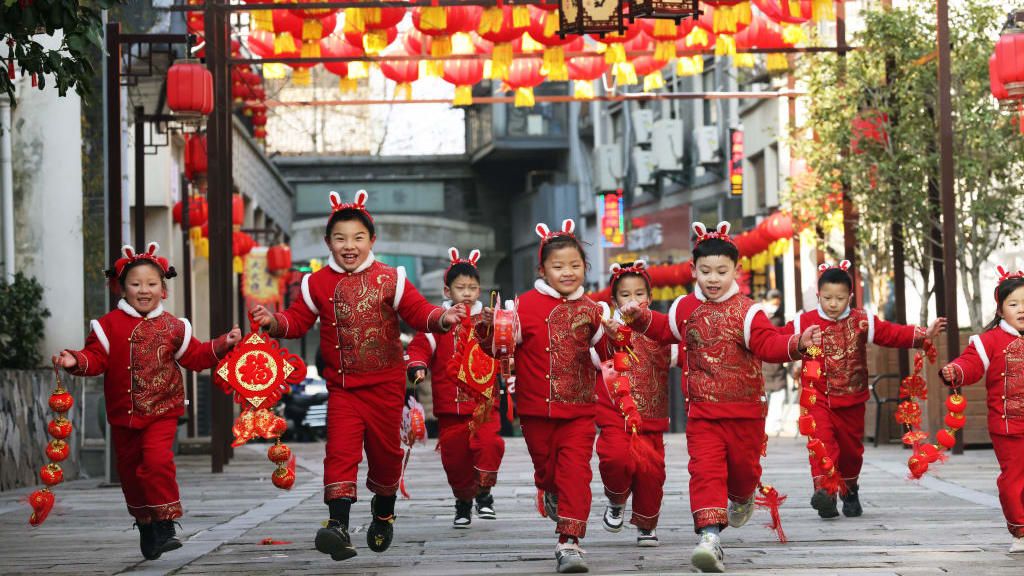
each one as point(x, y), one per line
point(836, 416)
point(997, 355)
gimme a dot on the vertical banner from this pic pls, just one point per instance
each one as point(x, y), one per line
point(613, 227)
point(736, 162)
point(259, 286)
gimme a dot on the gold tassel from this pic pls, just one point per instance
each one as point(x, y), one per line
point(284, 43)
point(697, 37)
point(203, 248)
point(274, 71)
point(463, 96)
point(403, 90)
point(583, 90)
point(664, 28)
point(520, 16)
point(195, 234)
point(625, 73)
point(491, 20)
point(371, 16)
point(793, 34)
point(664, 51)
point(262, 20)
point(353, 21)
point(743, 60)
point(725, 19)
point(238, 265)
point(502, 54)
point(725, 45)
point(301, 77)
point(554, 65)
point(698, 63)
point(685, 67)
point(433, 18)
point(347, 85)
point(435, 68)
point(776, 62)
point(462, 44)
point(551, 24)
point(794, 9)
point(822, 10)
point(616, 54)
point(441, 46)
point(310, 50)
point(654, 81)
point(374, 41)
point(489, 71)
point(358, 70)
point(524, 97)
point(743, 13)
point(531, 45)
point(312, 29)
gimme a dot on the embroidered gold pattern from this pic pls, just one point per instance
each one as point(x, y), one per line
point(720, 368)
point(1013, 384)
point(367, 324)
point(157, 386)
point(846, 371)
point(571, 325)
point(648, 378)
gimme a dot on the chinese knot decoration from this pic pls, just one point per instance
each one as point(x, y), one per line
point(57, 451)
point(913, 389)
point(811, 375)
point(473, 371)
point(258, 371)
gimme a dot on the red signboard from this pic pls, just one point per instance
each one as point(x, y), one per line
point(736, 163)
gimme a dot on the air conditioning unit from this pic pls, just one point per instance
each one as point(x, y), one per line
point(667, 143)
point(644, 165)
point(643, 123)
point(708, 148)
point(607, 167)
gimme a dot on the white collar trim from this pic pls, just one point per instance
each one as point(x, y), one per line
point(732, 291)
point(1009, 329)
point(543, 287)
point(125, 307)
point(477, 308)
point(337, 267)
point(824, 316)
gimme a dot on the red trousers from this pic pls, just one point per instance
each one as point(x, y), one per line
point(470, 461)
point(561, 451)
point(145, 463)
point(1009, 450)
point(725, 464)
point(622, 475)
point(842, 432)
point(366, 418)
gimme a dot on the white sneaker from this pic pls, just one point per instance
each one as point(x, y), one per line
point(647, 539)
point(740, 512)
point(613, 518)
point(708, 555)
point(1017, 546)
point(570, 559)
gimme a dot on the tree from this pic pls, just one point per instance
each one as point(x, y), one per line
point(69, 65)
point(875, 131)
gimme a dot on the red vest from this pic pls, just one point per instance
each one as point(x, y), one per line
point(998, 356)
point(648, 381)
point(358, 312)
point(139, 359)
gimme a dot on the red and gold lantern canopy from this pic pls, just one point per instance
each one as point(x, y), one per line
point(523, 76)
point(189, 88)
point(402, 72)
point(442, 22)
point(500, 27)
point(463, 74)
point(372, 44)
point(349, 73)
point(583, 71)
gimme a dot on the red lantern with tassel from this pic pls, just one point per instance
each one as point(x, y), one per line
point(189, 88)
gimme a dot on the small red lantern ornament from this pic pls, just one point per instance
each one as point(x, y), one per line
point(57, 450)
point(956, 403)
point(279, 258)
point(51, 474)
point(196, 163)
point(59, 427)
point(41, 502)
point(279, 453)
point(918, 466)
point(189, 88)
point(61, 401)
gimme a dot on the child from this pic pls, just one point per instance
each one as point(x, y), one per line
point(839, 411)
point(555, 378)
point(998, 356)
point(648, 379)
point(725, 337)
point(358, 301)
point(469, 441)
point(139, 349)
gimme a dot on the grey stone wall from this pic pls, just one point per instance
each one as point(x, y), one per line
point(24, 413)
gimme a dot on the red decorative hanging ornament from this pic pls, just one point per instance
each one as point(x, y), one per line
point(813, 375)
point(914, 389)
point(770, 499)
point(414, 430)
point(57, 450)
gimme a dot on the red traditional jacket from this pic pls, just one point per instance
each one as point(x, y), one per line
point(436, 353)
point(723, 345)
point(648, 381)
point(358, 312)
point(844, 343)
point(140, 360)
point(555, 369)
point(998, 356)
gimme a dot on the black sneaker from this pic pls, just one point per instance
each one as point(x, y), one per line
point(485, 506)
point(164, 537)
point(146, 539)
point(463, 514)
point(851, 504)
point(551, 506)
point(825, 504)
point(333, 539)
point(613, 518)
point(381, 530)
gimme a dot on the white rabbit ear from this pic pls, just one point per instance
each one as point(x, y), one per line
point(474, 255)
point(699, 229)
point(823, 267)
point(335, 200)
point(640, 264)
point(128, 250)
point(844, 265)
point(723, 227)
point(453, 254)
point(361, 198)
point(152, 248)
point(568, 225)
point(542, 230)
point(615, 267)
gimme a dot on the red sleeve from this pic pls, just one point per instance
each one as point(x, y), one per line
point(420, 351)
point(421, 315)
point(893, 335)
point(92, 360)
point(766, 340)
point(299, 317)
point(655, 326)
point(199, 356)
point(485, 336)
point(603, 348)
point(971, 364)
point(789, 328)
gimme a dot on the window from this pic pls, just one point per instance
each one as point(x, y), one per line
point(396, 197)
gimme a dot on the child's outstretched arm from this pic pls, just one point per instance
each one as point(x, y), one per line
point(892, 335)
point(90, 360)
point(654, 325)
point(420, 351)
point(771, 344)
point(421, 315)
point(198, 356)
point(969, 367)
point(293, 322)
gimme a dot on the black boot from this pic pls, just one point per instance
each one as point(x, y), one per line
point(463, 514)
point(164, 537)
point(485, 506)
point(851, 503)
point(333, 539)
point(146, 538)
point(381, 530)
point(825, 504)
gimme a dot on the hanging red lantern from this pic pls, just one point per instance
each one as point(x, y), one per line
point(372, 44)
point(728, 16)
point(1009, 55)
point(198, 211)
point(442, 22)
point(583, 71)
point(650, 69)
point(523, 76)
point(499, 27)
point(279, 258)
point(779, 226)
point(237, 210)
point(402, 72)
point(51, 474)
point(189, 88)
point(463, 73)
point(195, 156)
point(57, 450)
point(348, 73)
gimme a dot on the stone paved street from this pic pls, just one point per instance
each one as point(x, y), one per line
point(949, 523)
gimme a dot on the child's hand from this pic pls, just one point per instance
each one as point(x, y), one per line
point(65, 360)
point(262, 316)
point(611, 327)
point(453, 315)
point(951, 375)
point(937, 327)
point(810, 337)
point(631, 309)
point(419, 375)
point(234, 336)
point(487, 317)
